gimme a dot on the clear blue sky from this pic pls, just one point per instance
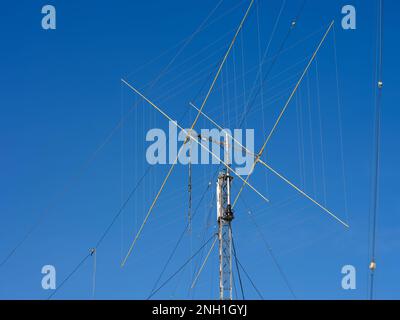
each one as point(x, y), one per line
point(61, 96)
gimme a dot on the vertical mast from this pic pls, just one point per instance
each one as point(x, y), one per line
point(225, 217)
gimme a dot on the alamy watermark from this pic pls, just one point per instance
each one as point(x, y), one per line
point(49, 278)
point(49, 18)
point(349, 21)
point(209, 146)
point(349, 279)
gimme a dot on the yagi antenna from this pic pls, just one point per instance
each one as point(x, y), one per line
point(188, 137)
point(225, 207)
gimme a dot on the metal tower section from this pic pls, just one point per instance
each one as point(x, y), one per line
point(225, 217)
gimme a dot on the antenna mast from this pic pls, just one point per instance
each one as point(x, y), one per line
point(225, 217)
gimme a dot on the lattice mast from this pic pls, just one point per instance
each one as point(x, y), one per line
point(225, 217)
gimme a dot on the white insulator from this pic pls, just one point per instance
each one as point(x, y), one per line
point(372, 266)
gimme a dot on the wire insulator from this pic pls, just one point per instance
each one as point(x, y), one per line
point(372, 266)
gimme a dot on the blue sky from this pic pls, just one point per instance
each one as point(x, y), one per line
point(61, 96)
